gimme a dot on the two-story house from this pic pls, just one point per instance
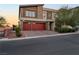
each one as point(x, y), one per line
point(36, 17)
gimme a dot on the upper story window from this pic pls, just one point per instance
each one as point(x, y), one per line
point(49, 15)
point(30, 14)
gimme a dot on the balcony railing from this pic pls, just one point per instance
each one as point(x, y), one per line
point(35, 19)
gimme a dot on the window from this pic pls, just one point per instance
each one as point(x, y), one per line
point(30, 13)
point(49, 15)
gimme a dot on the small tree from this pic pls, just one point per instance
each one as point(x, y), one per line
point(67, 17)
point(2, 21)
point(18, 31)
point(75, 15)
point(63, 16)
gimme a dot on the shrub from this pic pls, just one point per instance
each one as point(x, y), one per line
point(65, 29)
point(74, 29)
point(18, 31)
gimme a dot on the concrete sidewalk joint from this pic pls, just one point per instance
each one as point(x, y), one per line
point(21, 38)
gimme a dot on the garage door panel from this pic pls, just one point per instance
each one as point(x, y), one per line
point(26, 26)
point(38, 26)
point(41, 26)
point(34, 26)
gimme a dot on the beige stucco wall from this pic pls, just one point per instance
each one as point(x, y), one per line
point(41, 16)
point(40, 12)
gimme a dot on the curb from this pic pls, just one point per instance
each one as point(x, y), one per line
point(6, 39)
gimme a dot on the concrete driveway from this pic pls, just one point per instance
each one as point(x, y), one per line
point(32, 33)
point(37, 33)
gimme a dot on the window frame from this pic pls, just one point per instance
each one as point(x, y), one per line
point(49, 13)
point(30, 13)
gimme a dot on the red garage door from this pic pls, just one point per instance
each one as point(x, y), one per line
point(34, 26)
point(26, 26)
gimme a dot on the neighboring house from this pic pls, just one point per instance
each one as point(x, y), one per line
point(36, 17)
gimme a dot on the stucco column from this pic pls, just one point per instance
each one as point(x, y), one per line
point(21, 25)
point(53, 26)
point(48, 26)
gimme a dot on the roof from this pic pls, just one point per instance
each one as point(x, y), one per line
point(31, 5)
point(49, 9)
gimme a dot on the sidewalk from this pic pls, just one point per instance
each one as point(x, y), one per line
point(41, 36)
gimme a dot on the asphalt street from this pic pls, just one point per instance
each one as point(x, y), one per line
point(57, 45)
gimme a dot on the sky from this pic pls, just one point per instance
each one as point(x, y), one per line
point(11, 11)
point(58, 6)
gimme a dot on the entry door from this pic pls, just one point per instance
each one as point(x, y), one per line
point(51, 25)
